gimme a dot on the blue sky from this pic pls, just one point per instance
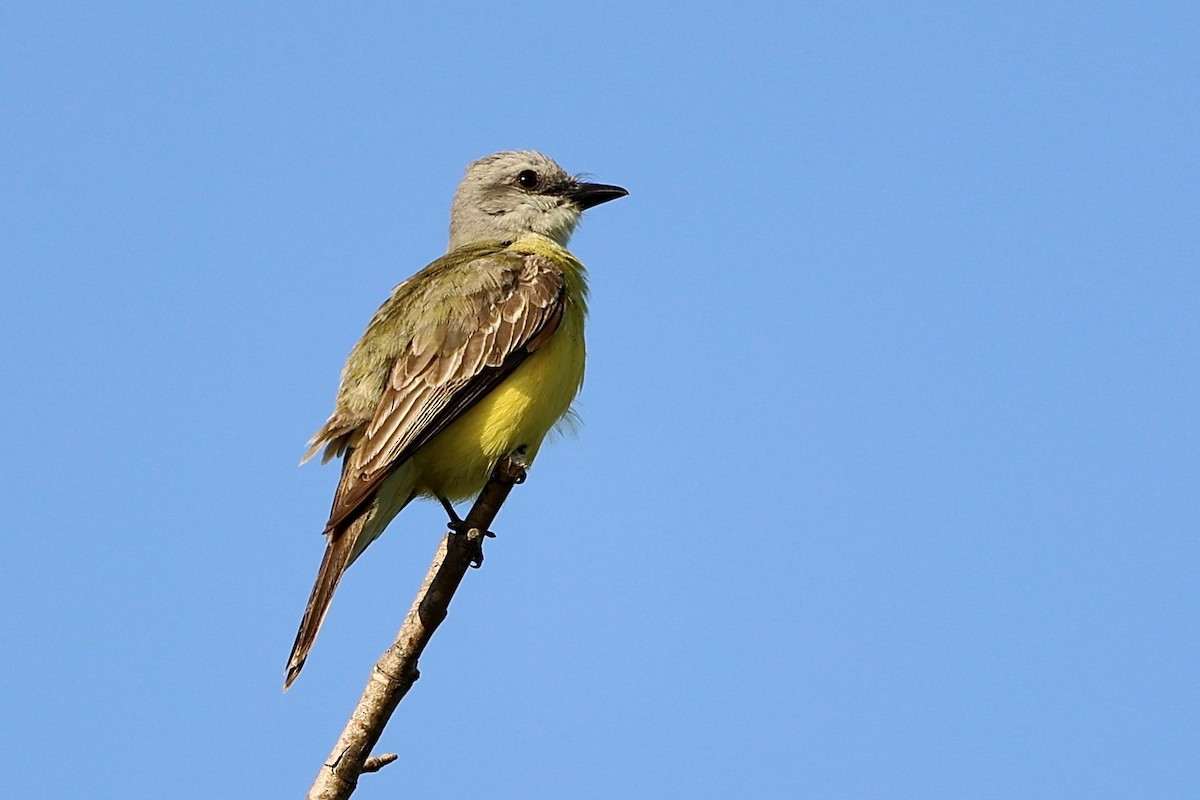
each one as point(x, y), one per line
point(887, 484)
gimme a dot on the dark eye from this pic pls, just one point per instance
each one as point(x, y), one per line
point(528, 179)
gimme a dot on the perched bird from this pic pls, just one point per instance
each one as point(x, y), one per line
point(475, 357)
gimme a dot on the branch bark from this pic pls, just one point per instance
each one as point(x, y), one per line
point(396, 670)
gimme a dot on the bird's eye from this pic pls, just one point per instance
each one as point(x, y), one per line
point(528, 179)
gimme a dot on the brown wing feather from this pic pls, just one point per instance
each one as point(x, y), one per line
point(442, 370)
point(448, 367)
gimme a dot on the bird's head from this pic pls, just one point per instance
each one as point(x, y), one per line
point(513, 192)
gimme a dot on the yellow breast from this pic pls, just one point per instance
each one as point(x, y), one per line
point(517, 413)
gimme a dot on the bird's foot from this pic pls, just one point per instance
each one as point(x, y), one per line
point(475, 545)
point(515, 466)
point(458, 526)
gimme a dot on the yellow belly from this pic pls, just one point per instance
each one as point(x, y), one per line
point(517, 413)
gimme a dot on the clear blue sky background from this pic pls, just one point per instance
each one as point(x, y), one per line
point(888, 482)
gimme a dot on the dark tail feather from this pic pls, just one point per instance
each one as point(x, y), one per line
point(337, 558)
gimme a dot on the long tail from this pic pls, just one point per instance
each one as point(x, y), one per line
point(338, 554)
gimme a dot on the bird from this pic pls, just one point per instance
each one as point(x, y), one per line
point(476, 357)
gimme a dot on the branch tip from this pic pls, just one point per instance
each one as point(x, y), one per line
point(376, 763)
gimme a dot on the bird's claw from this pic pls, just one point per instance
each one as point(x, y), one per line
point(477, 556)
point(476, 548)
point(514, 467)
point(459, 528)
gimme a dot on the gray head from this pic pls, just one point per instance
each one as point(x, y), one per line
point(513, 192)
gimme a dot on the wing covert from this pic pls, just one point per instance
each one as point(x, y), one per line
point(477, 324)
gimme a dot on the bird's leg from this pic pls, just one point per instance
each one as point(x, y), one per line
point(456, 522)
point(513, 469)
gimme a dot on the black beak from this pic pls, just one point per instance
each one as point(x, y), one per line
point(586, 195)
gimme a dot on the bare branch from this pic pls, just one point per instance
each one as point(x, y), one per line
point(396, 670)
